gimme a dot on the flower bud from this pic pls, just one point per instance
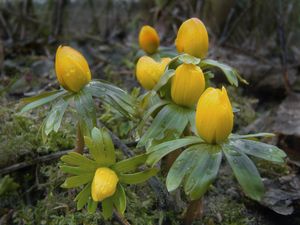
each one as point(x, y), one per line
point(187, 85)
point(148, 71)
point(104, 184)
point(192, 38)
point(148, 39)
point(72, 70)
point(214, 116)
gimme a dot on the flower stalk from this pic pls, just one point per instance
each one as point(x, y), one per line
point(79, 145)
point(194, 211)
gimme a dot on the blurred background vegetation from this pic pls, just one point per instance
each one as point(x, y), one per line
point(259, 38)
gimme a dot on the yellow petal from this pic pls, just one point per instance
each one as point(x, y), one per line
point(72, 70)
point(214, 116)
point(104, 184)
point(192, 38)
point(148, 71)
point(148, 39)
point(188, 84)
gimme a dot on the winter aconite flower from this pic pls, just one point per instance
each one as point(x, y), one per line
point(214, 116)
point(188, 84)
point(148, 39)
point(148, 71)
point(192, 38)
point(104, 184)
point(72, 69)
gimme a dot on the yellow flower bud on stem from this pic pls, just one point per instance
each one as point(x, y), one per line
point(192, 38)
point(148, 39)
point(148, 71)
point(214, 116)
point(104, 184)
point(188, 84)
point(72, 69)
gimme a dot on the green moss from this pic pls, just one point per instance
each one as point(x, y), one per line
point(225, 211)
point(20, 138)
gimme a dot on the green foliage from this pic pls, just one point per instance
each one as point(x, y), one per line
point(7, 184)
point(206, 158)
point(19, 137)
point(188, 59)
point(103, 155)
point(231, 74)
point(245, 172)
point(170, 118)
point(42, 99)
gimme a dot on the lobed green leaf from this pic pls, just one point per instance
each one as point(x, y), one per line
point(260, 150)
point(74, 170)
point(54, 118)
point(92, 206)
point(83, 196)
point(130, 164)
point(245, 172)
point(138, 177)
point(119, 199)
point(157, 152)
point(76, 159)
point(188, 59)
point(182, 167)
point(78, 180)
point(42, 99)
point(168, 74)
point(204, 173)
point(170, 118)
point(230, 73)
point(107, 208)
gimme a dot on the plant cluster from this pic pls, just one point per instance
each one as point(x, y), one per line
point(191, 123)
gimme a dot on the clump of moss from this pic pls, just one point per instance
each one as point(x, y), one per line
point(20, 138)
point(225, 211)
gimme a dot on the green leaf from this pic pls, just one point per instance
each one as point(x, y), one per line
point(139, 177)
point(42, 99)
point(107, 208)
point(74, 170)
point(85, 108)
point(151, 110)
point(245, 172)
point(192, 121)
point(83, 196)
point(247, 136)
point(181, 167)
point(130, 164)
point(168, 74)
point(171, 118)
point(114, 96)
point(92, 206)
point(204, 173)
point(109, 147)
point(76, 159)
point(119, 199)
point(78, 180)
point(55, 116)
point(230, 73)
point(157, 152)
point(188, 59)
point(260, 150)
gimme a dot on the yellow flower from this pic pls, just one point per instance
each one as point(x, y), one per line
point(148, 71)
point(188, 84)
point(104, 184)
point(192, 38)
point(214, 116)
point(148, 39)
point(72, 70)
